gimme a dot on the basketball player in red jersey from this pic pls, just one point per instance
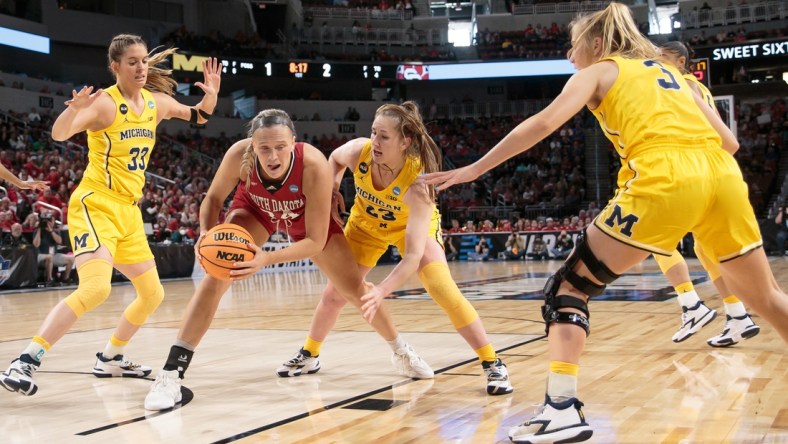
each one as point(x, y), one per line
point(280, 185)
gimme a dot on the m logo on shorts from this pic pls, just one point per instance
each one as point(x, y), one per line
point(81, 241)
point(625, 222)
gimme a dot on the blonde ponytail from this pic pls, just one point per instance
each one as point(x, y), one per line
point(160, 79)
point(618, 31)
point(410, 124)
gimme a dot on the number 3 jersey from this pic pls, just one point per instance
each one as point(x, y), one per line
point(118, 155)
point(382, 211)
point(650, 105)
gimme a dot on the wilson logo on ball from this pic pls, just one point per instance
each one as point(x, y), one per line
point(225, 236)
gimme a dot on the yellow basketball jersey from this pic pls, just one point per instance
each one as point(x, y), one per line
point(118, 155)
point(383, 210)
point(650, 105)
point(704, 92)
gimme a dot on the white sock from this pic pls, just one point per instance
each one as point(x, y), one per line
point(735, 310)
point(184, 344)
point(688, 299)
point(35, 350)
point(397, 343)
point(111, 350)
point(561, 387)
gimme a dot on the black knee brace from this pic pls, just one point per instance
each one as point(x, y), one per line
point(554, 301)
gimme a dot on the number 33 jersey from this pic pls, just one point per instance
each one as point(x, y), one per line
point(383, 211)
point(118, 155)
point(651, 105)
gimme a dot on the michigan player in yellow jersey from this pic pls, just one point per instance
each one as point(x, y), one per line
point(695, 314)
point(677, 176)
point(392, 209)
point(105, 223)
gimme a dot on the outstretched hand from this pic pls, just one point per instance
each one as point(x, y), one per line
point(38, 185)
point(445, 179)
point(82, 99)
point(371, 301)
point(212, 72)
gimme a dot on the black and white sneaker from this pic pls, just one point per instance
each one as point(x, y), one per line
point(736, 329)
point(497, 377)
point(119, 366)
point(19, 377)
point(554, 422)
point(693, 319)
point(302, 362)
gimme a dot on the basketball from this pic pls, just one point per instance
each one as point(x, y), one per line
point(224, 245)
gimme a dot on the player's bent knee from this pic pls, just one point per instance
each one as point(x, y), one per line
point(555, 308)
point(95, 277)
point(150, 294)
point(333, 298)
point(90, 294)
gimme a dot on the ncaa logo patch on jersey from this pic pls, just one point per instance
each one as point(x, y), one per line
point(396, 191)
point(123, 108)
point(293, 188)
point(363, 167)
point(151, 104)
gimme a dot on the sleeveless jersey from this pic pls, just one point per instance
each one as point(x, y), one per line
point(704, 92)
point(650, 105)
point(383, 210)
point(278, 207)
point(118, 155)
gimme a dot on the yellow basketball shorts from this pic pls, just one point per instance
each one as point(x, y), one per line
point(96, 219)
point(369, 243)
point(665, 193)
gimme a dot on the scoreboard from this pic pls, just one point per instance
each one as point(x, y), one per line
point(289, 69)
point(312, 69)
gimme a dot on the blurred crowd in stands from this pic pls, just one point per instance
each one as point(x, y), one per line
point(383, 5)
point(539, 42)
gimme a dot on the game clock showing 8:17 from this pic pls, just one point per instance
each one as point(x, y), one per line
point(292, 69)
point(326, 70)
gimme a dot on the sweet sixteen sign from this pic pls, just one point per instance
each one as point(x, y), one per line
point(769, 49)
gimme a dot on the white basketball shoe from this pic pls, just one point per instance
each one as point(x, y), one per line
point(302, 362)
point(410, 364)
point(165, 391)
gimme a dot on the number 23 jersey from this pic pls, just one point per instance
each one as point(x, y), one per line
point(383, 211)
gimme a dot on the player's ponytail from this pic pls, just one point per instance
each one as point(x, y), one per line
point(410, 124)
point(159, 79)
point(618, 31)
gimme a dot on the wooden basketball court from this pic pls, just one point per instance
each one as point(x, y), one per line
point(637, 385)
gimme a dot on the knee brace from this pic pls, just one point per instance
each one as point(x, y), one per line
point(710, 265)
point(441, 287)
point(554, 301)
point(95, 277)
point(665, 263)
point(150, 293)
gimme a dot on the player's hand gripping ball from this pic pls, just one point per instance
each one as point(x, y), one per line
point(224, 245)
